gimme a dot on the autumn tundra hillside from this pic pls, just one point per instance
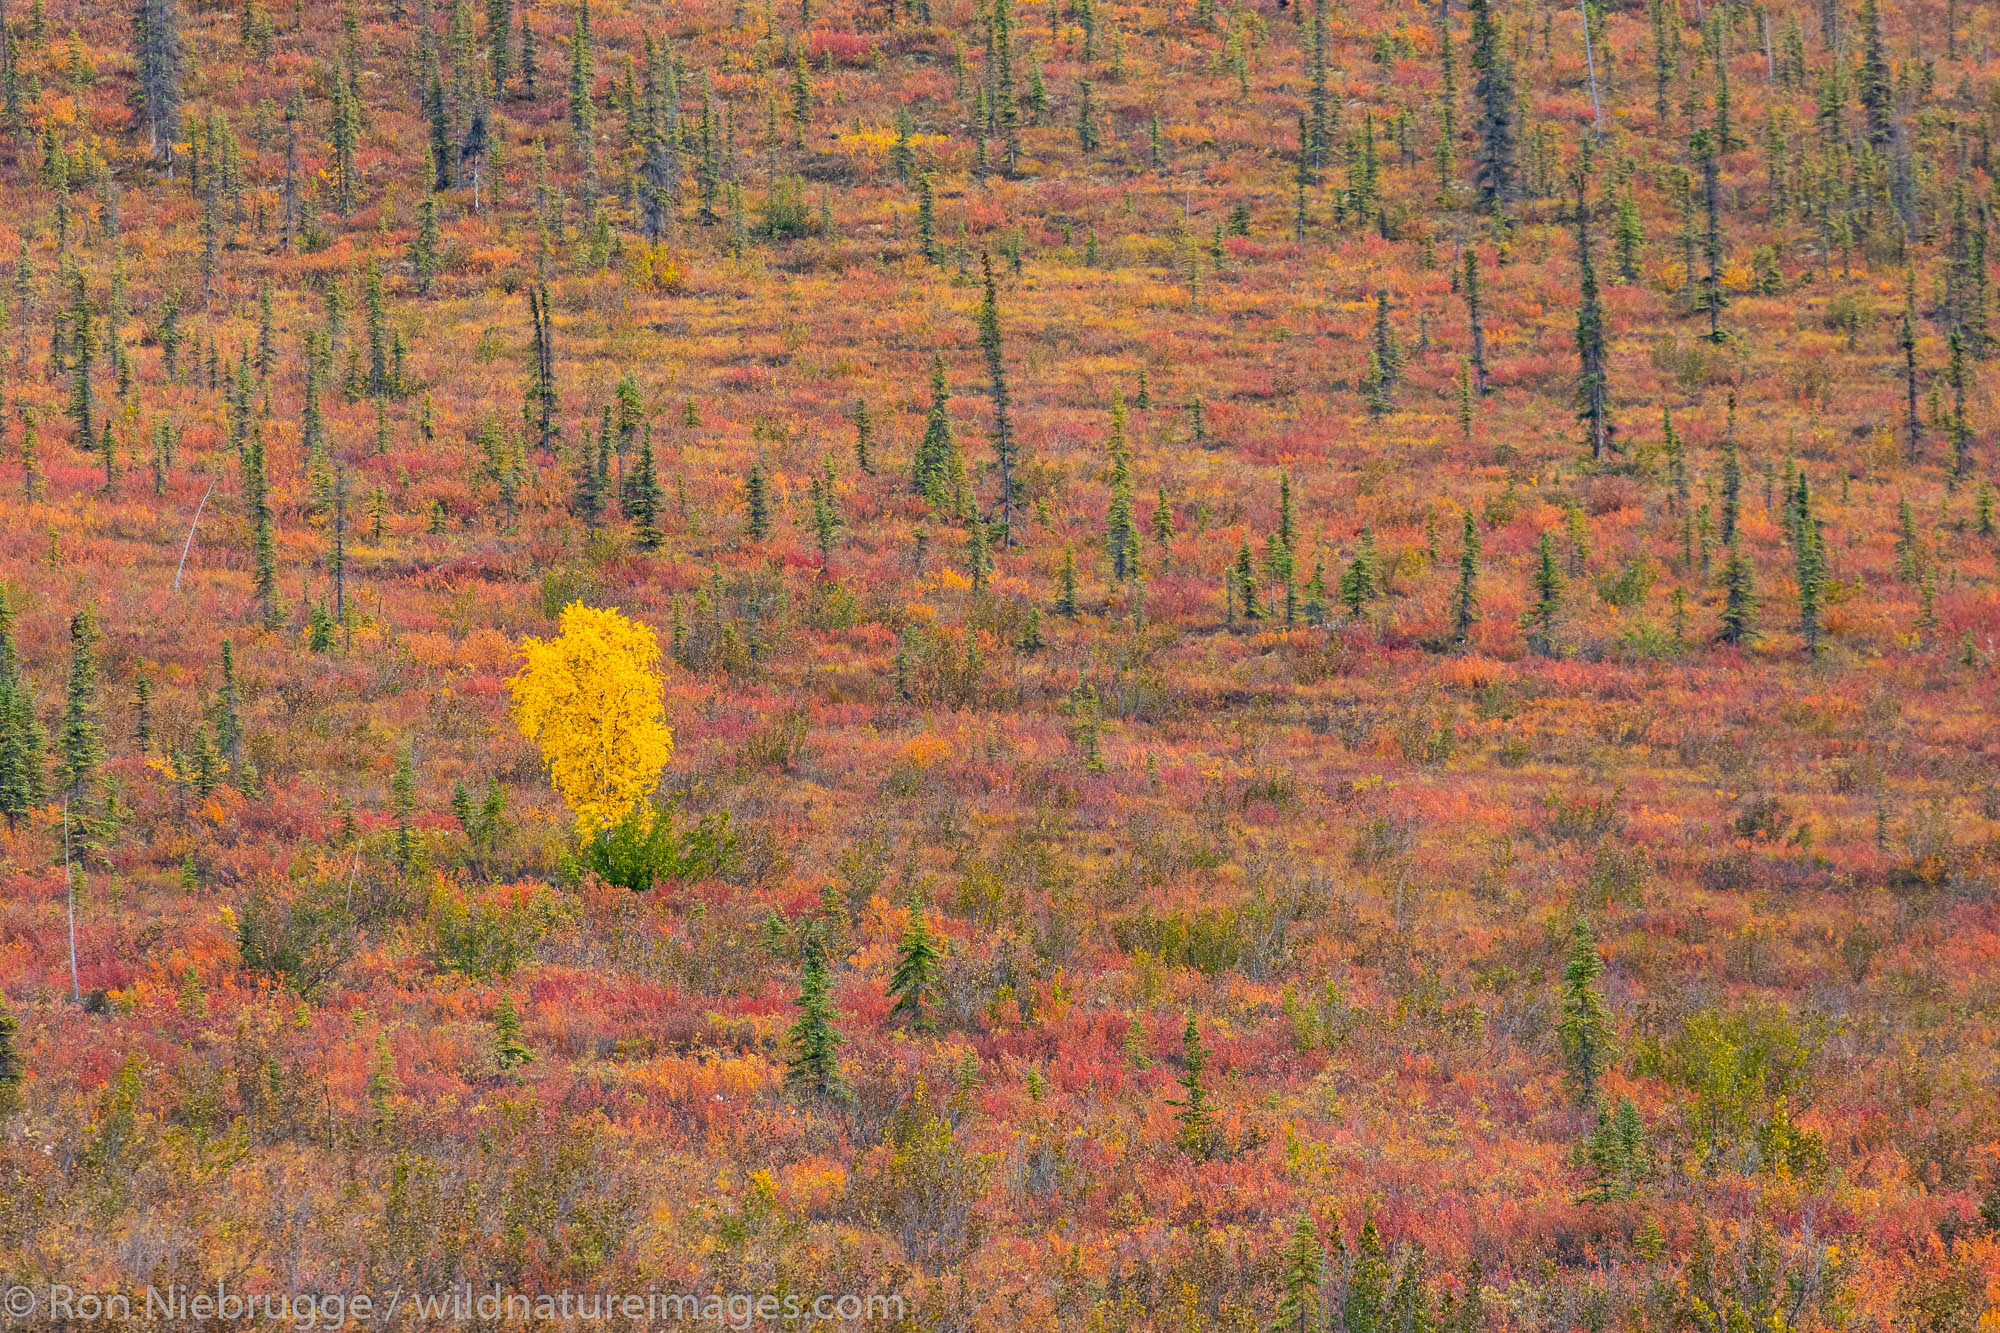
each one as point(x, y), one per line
point(1060, 665)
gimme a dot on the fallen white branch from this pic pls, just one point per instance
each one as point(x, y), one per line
point(188, 545)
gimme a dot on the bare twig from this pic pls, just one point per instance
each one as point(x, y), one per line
point(1590, 64)
point(188, 545)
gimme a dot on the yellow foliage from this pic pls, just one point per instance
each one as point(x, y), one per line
point(925, 750)
point(653, 269)
point(590, 701)
point(871, 145)
point(1886, 453)
point(870, 141)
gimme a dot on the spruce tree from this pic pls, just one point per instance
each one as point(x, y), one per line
point(1368, 1285)
point(979, 569)
point(228, 722)
point(1087, 135)
point(312, 413)
point(267, 345)
point(162, 67)
point(438, 114)
point(1615, 1152)
point(1965, 272)
point(1809, 566)
point(1548, 588)
point(1358, 582)
point(1447, 113)
point(1377, 387)
point(1066, 583)
point(757, 501)
point(23, 782)
point(1279, 562)
point(1739, 603)
point(1666, 55)
point(80, 744)
point(1872, 80)
point(1197, 1136)
point(424, 245)
point(83, 366)
point(1586, 1031)
point(1387, 352)
point(801, 98)
point(1244, 580)
point(294, 113)
point(826, 511)
point(13, 1066)
point(204, 765)
point(814, 1066)
point(1494, 98)
point(403, 803)
point(646, 496)
point(344, 139)
point(1726, 137)
point(1316, 607)
point(142, 703)
point(1162, 522)
point(1363, 199)
point(938, 473)
point(1300, 1308)
point(1909, 551)
point(1732, 488)
point(1592, 389)
point(1409, 1305)
point(31, 468)
point(1121, 527)
point(927, 218)
point(864, 438)
point(530, 56)
point(1708, 154)
point(914, 983)
point(996, 371)
point(1628, 236)
point(1318, 136)
point(509, 1051)
point(500, 41)
point(1473, 312)
point(660, 173)
point(1465, 602)
point(538, 407)
point(1906, 342)
point(263, 542)
point(582, 74)
point(375, 307)
point(1957, 430)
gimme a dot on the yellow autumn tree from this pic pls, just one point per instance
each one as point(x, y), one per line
point(590, 700)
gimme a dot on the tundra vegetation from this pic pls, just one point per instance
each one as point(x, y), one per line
point(1181, 666)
